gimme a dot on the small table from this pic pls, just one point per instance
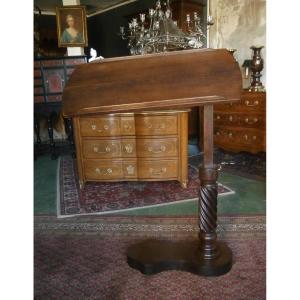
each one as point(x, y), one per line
point(180, 79)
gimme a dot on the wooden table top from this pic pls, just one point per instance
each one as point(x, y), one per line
point(170, 80)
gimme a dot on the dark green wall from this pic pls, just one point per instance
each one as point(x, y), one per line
point(103, 29)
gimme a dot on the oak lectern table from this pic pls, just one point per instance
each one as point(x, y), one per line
point(173, 80)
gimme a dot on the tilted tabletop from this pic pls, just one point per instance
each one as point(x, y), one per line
point(176, 79)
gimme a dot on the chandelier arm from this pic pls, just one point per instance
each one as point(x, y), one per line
point(163, 34)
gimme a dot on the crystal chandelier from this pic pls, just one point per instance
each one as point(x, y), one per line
point(160, 33)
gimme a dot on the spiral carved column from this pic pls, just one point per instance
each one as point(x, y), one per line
point(208, 212)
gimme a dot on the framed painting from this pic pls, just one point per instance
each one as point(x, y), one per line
point(71, 26)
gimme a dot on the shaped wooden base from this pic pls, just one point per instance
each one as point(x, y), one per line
point(154, 256)
point(205, 256)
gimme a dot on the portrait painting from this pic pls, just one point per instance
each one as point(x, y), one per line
point(71, 26)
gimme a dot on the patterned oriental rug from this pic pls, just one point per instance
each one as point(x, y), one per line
point(85, 258)
point(103, 198)
point(243, 164)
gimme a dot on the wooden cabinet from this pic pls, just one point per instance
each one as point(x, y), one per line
point(144, 146)
point(242, 126)
point(50, 77)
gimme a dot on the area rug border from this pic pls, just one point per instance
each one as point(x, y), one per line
point(110, 212)
point(228, 226)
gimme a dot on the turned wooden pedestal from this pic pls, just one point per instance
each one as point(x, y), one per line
point(204, 257)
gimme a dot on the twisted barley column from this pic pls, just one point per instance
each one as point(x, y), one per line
point(208, 212)
point(208, 207)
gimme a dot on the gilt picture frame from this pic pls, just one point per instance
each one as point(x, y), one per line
point(71, 26)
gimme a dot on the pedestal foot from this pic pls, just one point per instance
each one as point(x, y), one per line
point(81, 184)
point(154, 256)
point(184, 184)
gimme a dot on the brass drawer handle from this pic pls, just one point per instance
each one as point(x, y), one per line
point(254, 120)
point(105, 127)
point(158, 172)
point(218, 117)
point(254, 104)
point(128, 148)
point(158, 127)
point(230, 134)
point(127, 126)
point(230, 118)
point(107, 150)
point(162, 148)
point(107, 171)
point(254, 137)
point(218, 133)
point(246, 137)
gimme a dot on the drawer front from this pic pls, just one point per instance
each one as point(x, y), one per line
point(240, 137)
point(105, 170)
point(101, 148)
point(100, 126)
point(156, 125)
point(108, 148)
point(253, 104)
point(158, 169)
point(96, 169)
point(250, 102)
point(239, 119)
point(167, 147)
point(245, 105)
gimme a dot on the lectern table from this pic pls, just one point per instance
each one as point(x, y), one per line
point(180, 79)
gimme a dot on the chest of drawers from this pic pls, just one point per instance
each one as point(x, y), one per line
point(147, 146)
point(242, 126)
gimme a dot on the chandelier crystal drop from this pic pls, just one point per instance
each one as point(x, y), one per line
point(158, 32)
